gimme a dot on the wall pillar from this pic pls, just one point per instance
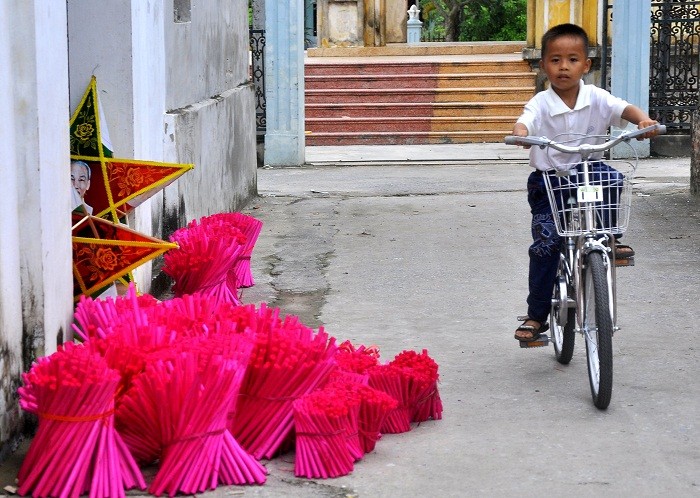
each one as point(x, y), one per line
point(545, 14)
point(10, 283)
point(40, 74)
point(374, 32)
point(148, 41)
point(629, 73)
point(284, 82)
point(396, 17)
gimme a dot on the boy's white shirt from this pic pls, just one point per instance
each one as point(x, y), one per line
point(546, 115)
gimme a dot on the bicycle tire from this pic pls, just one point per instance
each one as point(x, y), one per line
point(598, 330)
point(563, 337)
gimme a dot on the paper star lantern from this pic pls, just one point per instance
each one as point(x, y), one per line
point(104, 251)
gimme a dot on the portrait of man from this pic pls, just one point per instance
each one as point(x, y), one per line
point(80, 174)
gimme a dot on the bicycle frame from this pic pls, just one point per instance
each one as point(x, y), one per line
point(575, 249)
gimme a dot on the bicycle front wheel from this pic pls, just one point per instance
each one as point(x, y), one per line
point(598, 329)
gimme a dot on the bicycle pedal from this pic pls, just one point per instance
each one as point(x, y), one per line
point(541, 341)
point(625, 262)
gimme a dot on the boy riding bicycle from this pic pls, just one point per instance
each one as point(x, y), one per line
point(568, 107)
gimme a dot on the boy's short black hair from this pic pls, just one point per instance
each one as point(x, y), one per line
point(566, 29)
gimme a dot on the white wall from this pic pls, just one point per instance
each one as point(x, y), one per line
point(208, 55)
point(196, 83)
point(41, 137)
point(177, 93)
point(211, 111)
point(10, 286)
point(100, 43)
point(109, 40)
point(35, 262)
point(224, 175)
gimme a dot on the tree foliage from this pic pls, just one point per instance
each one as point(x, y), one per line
point(450, 11)
point(476, 20)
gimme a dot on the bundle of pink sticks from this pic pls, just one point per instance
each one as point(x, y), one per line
point(76, 448)
point(206, 253)
point(240, 274)
point(289, 360)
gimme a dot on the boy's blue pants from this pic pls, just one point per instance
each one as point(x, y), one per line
point(544, 251)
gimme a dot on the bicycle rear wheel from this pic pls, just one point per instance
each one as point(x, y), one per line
point(563, 319)
point(598, 329)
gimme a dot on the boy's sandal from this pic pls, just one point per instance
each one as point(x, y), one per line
point(623, 251)
point(534, 332)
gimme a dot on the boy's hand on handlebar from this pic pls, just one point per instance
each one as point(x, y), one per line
point(520, 130)
point(643, 124)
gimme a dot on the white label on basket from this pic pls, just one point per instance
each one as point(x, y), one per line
point(591, 193)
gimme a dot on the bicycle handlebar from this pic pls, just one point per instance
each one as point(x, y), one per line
point(543, 142)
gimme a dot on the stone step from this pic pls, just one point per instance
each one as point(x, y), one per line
point(423, 49)
point(410, 95)
point(420, 80)
point(353, 67)
point(426, 109)
point(404, 138)
point(503, 124)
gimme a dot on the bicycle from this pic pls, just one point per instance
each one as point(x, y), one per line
point(590, 203)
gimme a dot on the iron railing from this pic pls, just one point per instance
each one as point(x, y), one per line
point(257, 54)
point(675, 68)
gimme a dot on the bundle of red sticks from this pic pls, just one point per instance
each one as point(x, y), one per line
point(94, 317)
point(206, 253)
point(322, 421)
point(356, 359)
point(176, 412)
point(239, 274)
point(289, 360)
point(422, 371)
point(213, 256)
point(336, 426)
point(411, 379)
point(375, 406)
point(76, 448)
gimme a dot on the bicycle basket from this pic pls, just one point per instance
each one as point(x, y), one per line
point(606, 194)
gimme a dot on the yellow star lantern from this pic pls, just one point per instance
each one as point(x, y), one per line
point(105, 251)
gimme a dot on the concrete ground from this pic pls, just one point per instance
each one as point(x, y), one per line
point(418, 247)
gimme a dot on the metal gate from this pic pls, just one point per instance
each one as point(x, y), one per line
point(675, 57)
point(257, 54)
